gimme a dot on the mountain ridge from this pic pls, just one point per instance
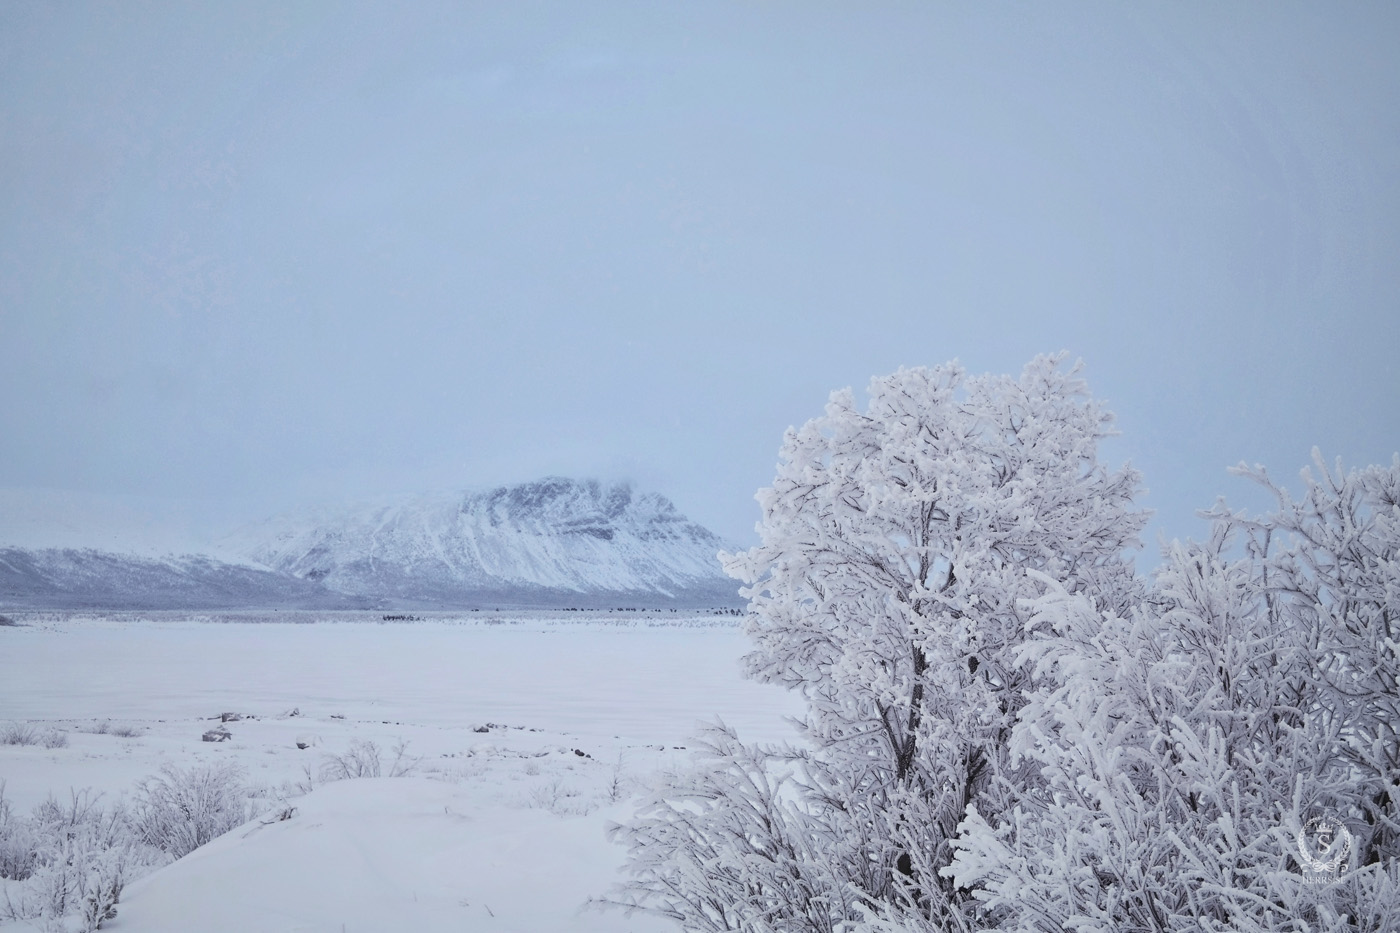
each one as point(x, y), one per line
point(89, 578)
point(551, 543)
point(553, 534)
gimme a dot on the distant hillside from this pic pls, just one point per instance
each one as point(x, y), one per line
point(83, 578)
point(555, 542)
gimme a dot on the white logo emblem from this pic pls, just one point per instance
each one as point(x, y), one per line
point(1323, 845)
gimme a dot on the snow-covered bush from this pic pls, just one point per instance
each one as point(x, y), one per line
point(69, 861)
point(730, 845)
point(18, 855)
point(177, 811)
point(560, 798)
point(72, 858)
point(897, 549)
point(362, 759)
point(1186, 744)
point(21, 733)
point(1331, 564)
point(86, 854)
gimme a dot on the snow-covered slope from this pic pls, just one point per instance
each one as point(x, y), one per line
point(390, 854)
point(61, 549)
point(84, 578)
point(551, 542)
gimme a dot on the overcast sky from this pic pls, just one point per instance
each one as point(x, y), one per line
point(262, 254)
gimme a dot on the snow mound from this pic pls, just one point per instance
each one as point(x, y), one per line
point(382, 854)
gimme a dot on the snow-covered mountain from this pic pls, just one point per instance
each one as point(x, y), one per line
point(552, 542)
point(85, 578)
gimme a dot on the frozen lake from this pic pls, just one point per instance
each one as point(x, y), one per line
point(644, 683)
point(648, 682)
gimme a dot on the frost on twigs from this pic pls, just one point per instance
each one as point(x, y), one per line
point(729, 845)
point(67, 859)
point(177, 811)
point(363, 759)
point(1190, 749)
point(20, 733)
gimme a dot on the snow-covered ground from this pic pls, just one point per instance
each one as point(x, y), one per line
point(530, 733)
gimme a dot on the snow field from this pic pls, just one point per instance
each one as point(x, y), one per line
point(501, 825)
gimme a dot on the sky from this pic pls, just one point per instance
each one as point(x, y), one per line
point(259, 255)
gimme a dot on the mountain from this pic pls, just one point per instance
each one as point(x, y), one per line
point(85, 578)
point(554, 542)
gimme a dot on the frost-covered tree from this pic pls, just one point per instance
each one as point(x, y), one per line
point(898, 545)
point(1332, 565)
point(1183, 744)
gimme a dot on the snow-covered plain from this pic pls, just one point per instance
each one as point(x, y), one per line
point(530, 733)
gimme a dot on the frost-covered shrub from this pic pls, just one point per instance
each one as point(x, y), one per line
point(70, 858)
point(106, 727)
point(85, 851)
point(103, 895)
point(362, 759)
point(178, 811)
point(20, 733)
point(730, 845)
point(1186, 744)
point(18, 855)
point(561, 799)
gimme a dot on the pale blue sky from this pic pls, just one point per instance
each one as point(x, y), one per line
point(269, 253)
